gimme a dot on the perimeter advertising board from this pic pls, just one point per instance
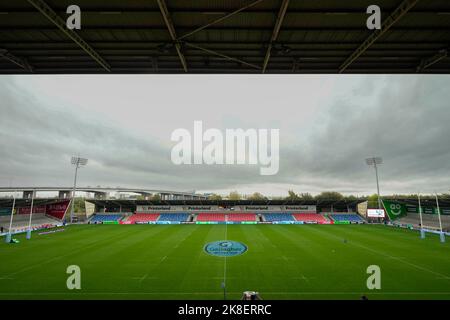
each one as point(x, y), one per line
point(375, 213)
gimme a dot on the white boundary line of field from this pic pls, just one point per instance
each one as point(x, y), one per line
point(225, 267)
point(327, 293)
point(355, 243)
point(47, 261)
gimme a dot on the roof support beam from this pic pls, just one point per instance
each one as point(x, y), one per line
point(275, 32)
point(209, 11)
point(427, 62)
point(21, 62)
point(398, 13)
point(220, 19)
point(173, 35)
point(222, 55)
point(219, 28)
point(51, 15)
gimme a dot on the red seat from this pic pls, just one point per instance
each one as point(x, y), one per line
point(211, 217)
point(309, 217)
point(143, 217)
point(241, 217)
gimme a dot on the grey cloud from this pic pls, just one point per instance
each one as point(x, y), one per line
point(404, 119)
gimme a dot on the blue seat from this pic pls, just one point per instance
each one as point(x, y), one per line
point(346, 217)
point(278, 217)
point(174, 217)
point(106, 217)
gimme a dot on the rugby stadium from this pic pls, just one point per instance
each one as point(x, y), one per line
point(223, 150)
point(139, 249)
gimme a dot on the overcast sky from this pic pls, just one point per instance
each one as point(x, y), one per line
point(328, 126)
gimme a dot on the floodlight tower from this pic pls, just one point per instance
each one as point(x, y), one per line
point(78, 163)
point(374, 161)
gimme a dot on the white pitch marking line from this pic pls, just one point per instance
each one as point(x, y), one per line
point(303, 277)
point(217, 293)
point(144, 277)
point(393, 257)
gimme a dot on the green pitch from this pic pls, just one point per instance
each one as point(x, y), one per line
point(282, 262)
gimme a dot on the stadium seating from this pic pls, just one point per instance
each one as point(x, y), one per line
point(21, 222)
point(278, 217)
point(174, 217)
point(346, 217)
point(105, 217)
point(241, 217)
point(429, 221)
point(211, 217)
point(309, 217)
point(143, 217)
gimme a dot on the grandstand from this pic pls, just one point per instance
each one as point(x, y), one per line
point(429, 221)
point(346, 218)
point(310, 217)
point(101, 218)
point(211, 217)
point(175, 217)
point(143, 217)
point(242, 217)
point(21, 222)
point(271, 217)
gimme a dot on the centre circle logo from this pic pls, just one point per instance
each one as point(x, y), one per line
point(225, 248)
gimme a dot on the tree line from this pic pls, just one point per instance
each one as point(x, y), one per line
point(326, 195)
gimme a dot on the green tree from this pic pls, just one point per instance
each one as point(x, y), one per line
point(292, 196)
point(156, 197)
point(372, 201)
point(79, 206)
point(234, 195)
point(350, 198)
point(215, 197)
point(306, 196)
point(329, 195)
point(256, 196)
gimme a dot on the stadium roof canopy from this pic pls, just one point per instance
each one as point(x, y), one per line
point(226, 203)
point(218, 36)
point(428, 201)
point(8, 202)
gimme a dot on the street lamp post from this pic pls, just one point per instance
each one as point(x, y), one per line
point(77, 162)
point(374, 161)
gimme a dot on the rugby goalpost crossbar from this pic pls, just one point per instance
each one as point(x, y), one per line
point(423, 228)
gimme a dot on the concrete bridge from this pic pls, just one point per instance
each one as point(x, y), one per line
point(103, 192)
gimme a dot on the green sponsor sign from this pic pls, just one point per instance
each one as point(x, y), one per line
point(394, 209)
point(110, 222)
